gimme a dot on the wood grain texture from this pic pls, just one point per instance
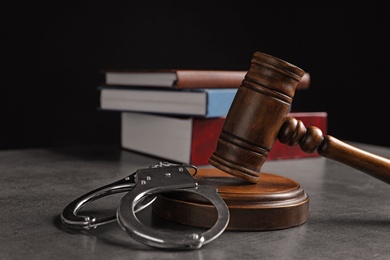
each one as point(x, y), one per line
point(255, 116)
point(312, 139)
point(275, 202)
point(258, 116)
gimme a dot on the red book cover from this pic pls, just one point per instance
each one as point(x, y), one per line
point(193, 140)
point(205, 135)
point(283, 151)
point(206, 132)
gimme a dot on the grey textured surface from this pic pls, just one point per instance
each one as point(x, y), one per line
point(349, 210)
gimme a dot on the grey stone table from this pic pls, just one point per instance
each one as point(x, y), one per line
point(349, 213)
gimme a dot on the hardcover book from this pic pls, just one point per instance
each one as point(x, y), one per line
point(196, 102)
point(193, 140)
point(178, 79)
point(182, 79)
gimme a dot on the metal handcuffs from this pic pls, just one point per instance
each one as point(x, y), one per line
point(142, 186)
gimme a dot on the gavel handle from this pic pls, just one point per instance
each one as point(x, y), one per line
point(311, 139)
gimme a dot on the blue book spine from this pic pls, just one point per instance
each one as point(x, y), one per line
point(219, 101)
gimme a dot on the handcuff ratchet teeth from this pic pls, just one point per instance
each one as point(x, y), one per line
point(142, 187)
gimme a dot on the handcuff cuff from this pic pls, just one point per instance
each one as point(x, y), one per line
point(142, 186)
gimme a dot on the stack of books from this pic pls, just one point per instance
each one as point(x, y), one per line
point(177, 115)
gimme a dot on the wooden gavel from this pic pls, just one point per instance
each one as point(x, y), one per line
point(258, 116)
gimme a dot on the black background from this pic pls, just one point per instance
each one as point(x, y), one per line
point(53, 53)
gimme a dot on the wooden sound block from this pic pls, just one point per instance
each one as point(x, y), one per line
point(275, 202)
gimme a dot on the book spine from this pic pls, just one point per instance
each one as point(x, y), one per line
point(209, 79)
point(220, 79)
point(205, 133)
point(219, 101)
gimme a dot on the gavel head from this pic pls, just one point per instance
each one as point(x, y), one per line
point(256, 116)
